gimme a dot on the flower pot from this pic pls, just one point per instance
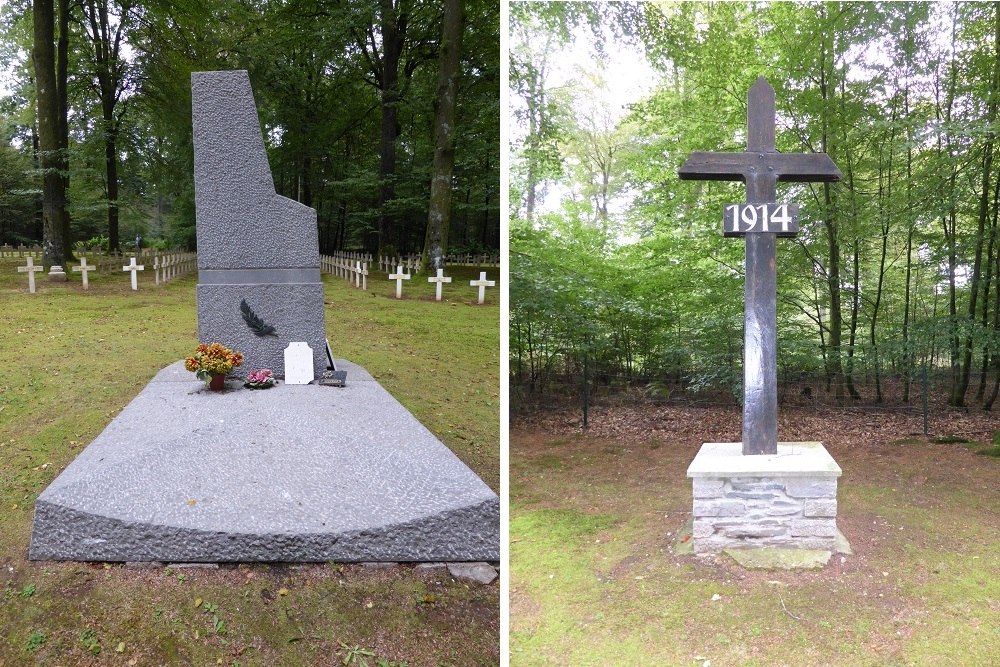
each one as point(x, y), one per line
point(218, 382)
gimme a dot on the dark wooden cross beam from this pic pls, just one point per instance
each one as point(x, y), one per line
point(760, 167)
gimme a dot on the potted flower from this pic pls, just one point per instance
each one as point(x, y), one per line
point(259, 379)
point(211, 362)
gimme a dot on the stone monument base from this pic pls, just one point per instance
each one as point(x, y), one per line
point(291, 473)
point(785, 501)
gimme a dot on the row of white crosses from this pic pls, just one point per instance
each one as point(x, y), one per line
point(83, 268)
point(439, 279)
point(355, 272)
point(412, 262)
point(170, 266)
point(344, 264)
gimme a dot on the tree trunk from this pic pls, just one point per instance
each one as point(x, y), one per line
point(393, 31)
point(962, 385)
point(62, 77)
point(439, 214)
point(907, 354)
point(47, 96)
point(987, 281)
point(106, 44)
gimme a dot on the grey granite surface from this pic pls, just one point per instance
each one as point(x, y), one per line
point(252, 242)
point(292, 473)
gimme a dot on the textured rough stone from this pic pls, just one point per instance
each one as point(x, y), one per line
point(754, 495)
point(811, 488)
point(291, 309)
point(295, 473)
point(813, 528)
point(379, 565)
point(825, 507)
point(253, 244)
point(757, 486)
point(772, 558)
point(719, 507)
point(761, 501)
point(708, 488)
point(754, 530)
point(479, 573)
point(702, 528)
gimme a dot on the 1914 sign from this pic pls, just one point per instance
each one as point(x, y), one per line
point(780, 219)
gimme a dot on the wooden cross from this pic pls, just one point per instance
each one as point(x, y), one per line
point(131, 266)
point(760, 167)
point(439, 279)
point(83, 268)
point(31, 270)
point(482, 284)
point(399, 277)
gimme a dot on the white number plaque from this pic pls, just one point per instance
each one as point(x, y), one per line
point(780, 219)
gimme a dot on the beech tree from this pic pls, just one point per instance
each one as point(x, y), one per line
point(894, 271)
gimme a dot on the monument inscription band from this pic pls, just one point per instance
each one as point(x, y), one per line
point(760, 167)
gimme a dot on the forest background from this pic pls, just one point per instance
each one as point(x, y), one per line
point(626, 281)
point(95, 118)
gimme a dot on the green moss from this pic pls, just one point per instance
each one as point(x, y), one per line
point(595, 581)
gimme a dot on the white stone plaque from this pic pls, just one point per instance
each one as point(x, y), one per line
point(299, 364)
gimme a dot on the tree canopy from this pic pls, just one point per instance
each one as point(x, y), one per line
point(346, 93)
point(895, 268)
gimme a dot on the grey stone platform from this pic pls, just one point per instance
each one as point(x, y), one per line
point(291, 473)
point(786, 500)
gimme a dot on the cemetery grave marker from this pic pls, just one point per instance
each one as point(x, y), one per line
point(131, 266)
point(762, 493)
point(482, 284)
point(399, 277)
point(294, 473)
point(56, 274)
point(298, 363)
point(31, 269)
point(253, 244)
point(440, 279)
point(760, 167)
point(83, 268)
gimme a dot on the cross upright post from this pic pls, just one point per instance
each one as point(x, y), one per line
point(399, 277)
point(84, 268)
point(439, 279)
point(131, 266)
point(760, 167)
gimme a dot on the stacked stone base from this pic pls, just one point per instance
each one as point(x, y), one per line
point(788, 500)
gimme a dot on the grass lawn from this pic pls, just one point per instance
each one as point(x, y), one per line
point(73, 359)
point(595, 579)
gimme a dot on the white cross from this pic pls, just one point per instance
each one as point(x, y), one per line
point(399, 277)
point(83, 268)
point(357, 274)
point(364, 276)
point(31, 269)
point(482, 284)
point(133, 268)
point(440, 279)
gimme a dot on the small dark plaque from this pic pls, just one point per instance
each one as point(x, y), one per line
point(334, 379)
point(741, 219)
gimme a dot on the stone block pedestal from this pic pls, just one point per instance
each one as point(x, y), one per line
point(787, 500)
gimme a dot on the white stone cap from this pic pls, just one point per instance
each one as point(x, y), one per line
point(794, 459)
